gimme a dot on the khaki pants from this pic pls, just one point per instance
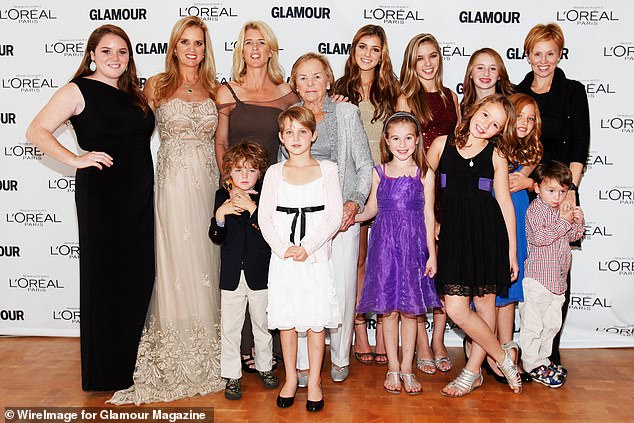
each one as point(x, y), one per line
point(233, 305)
point(540, 320)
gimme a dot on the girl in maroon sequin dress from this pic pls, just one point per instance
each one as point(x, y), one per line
point(436, 107)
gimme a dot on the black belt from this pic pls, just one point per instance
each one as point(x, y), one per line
point(297, 211)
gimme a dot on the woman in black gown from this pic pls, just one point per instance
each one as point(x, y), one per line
point(113, 194)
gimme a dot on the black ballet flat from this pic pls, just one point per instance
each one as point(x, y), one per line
point(315, 405)
point(491, 372)
point(285, 402)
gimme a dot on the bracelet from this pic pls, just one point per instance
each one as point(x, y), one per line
point(572, 187)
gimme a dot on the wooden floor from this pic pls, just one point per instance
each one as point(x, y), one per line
point(37, 372)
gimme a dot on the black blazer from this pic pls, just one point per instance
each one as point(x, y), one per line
point(242, 246)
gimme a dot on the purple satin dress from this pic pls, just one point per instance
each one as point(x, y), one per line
point(397, 251)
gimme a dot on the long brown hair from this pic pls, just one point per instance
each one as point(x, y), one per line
point(502, 86)
point(529, 149)
point(419, 154)
point(165, 83)
point(411, 86)
point(128, 82)
point(384, 88)
point(505, 140)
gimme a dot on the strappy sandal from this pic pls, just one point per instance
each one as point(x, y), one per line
point(443, 364)
point(363, 357)
point(464, 384)
point(394, 378)
point(383, 358)
point(408, 382)
point(248, 363)
point(426, 366)
point(510, 370)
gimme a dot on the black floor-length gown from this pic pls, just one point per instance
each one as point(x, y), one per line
point(116, 234)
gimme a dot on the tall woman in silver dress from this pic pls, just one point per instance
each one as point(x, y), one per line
point(179, 353)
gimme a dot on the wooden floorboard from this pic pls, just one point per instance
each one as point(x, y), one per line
point(39, 371)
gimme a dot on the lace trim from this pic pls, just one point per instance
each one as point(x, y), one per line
point(173, 364)
point(468, 291)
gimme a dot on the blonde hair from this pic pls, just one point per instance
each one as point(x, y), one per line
point(165, 83)
point(411, 86)
point(502, 86)
point(313, 56)
point(541, 32)
point(239, 67)
point(299, 114)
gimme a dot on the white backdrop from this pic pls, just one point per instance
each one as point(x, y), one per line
point(41, 46)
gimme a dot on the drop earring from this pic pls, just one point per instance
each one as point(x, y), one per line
point(92, 66)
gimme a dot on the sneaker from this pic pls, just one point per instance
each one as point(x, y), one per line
point(559, 369)
point(269, 380)
point(233, 389)
point(547, 376)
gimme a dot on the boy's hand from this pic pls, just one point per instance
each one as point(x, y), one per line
point(577, 214)
point(566, 211)
point(226, 208)
point(244, 202)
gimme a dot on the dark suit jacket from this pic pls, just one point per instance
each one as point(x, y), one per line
point(242, 246)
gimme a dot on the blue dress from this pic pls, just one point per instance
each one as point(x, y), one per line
point(397, 251)
point(520, 203)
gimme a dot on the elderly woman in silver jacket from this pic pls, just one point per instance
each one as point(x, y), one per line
point(341, 139)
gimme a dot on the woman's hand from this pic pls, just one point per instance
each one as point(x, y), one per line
point(96, 159)
point(518, 181)
point(350, 210)
point(338, 98)
point(570, 201)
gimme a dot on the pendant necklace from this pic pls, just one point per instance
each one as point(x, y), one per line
point(471, 162)
point(189, 87)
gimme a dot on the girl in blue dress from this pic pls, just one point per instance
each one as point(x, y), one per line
point(400, 266)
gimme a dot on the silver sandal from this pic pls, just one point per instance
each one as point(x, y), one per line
point(510, 370)
point(464, 384)
point(408, 382)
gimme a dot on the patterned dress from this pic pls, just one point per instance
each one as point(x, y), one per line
point(179, 353)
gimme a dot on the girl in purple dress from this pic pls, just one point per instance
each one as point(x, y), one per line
point(400, 267)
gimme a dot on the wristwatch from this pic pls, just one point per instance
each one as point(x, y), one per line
point(572, 187)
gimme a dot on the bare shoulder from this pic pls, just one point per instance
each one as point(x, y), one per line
point(223, 95)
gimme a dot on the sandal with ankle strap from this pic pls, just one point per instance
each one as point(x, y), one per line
point(363, 357)
point(395, 378)
point(408, 382)
point(426, 366)
point(510, 370)
point(464, 384)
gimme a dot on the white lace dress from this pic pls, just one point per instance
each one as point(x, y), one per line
point(179, 352)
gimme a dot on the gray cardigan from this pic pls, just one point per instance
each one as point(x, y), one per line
point(353, 152)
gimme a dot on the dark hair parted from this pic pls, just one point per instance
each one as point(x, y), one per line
point(502, 86)
point(299, 114)
point(554, 170)
point(384, 90)
point(528, 150)
point(419, 154)
point(128, 82)
point(245, 152)
point(506, 140)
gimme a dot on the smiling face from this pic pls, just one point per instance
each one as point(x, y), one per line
point(367, 53)
point(551, 192)
point(526, 119)
point(244, 175)
point(255, 50)
point(487, 121)
point(544, 58)
point(485, 73)
point(296, 138)
point(311, 81)
point(111, 56)
point(427, 61)
point(190, 48)
point(401, 140)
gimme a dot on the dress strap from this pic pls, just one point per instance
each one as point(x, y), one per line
point(380, 170)
point(233, 93)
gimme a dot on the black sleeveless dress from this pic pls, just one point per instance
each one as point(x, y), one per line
point(473, 246)
point(116, 234)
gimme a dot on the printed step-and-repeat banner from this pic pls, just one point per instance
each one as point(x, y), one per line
point(41, 45)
